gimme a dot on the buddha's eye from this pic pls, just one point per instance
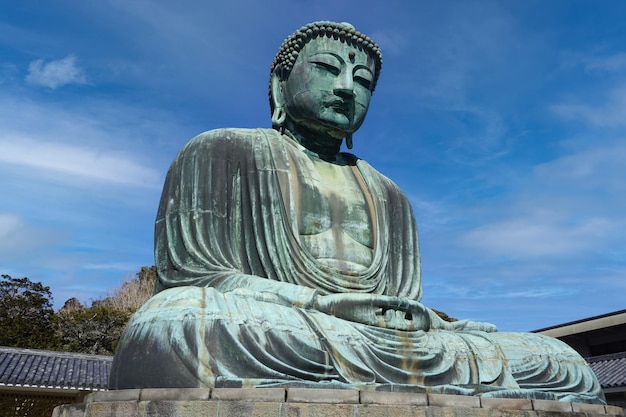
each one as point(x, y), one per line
point(333, 69)
point(363, 77)
point(363, 81)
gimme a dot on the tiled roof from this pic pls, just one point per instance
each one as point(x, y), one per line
point(610, 369)
point(47, 369)
point(601, 316)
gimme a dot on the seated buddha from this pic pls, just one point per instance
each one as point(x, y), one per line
point(283, 261)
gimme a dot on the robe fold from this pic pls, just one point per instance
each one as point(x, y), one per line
point(236, 285)
point(223, 222)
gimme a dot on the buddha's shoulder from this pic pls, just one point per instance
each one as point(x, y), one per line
point(230, 138)
point(386, 184)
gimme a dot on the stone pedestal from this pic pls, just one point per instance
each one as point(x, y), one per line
point(303, 402)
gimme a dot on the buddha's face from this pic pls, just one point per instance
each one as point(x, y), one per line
point(329, 87)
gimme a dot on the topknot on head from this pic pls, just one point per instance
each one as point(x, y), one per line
point(343, 32)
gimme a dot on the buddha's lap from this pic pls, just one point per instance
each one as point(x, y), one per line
point(195, 307)
point(193, 336)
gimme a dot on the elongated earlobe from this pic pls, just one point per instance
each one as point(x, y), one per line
point(349, 141)
point(278, 117)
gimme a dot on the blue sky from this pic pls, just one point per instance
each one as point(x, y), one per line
point(503, 121)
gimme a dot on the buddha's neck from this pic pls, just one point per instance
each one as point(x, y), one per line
point(314, 141)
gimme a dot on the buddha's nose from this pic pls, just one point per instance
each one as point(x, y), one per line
point(344, 87)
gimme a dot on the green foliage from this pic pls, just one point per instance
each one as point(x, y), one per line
point(26, 313)
point(27, 319)
point(97, 329)
point(147, 275)
point(94, 330)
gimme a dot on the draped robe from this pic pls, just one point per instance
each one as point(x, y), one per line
point(233, 301)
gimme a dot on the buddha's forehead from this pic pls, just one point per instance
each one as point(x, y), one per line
point(348, 52)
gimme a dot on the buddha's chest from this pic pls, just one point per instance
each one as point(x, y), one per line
point(333, 214)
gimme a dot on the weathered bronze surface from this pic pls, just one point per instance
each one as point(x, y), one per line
point(285, 262)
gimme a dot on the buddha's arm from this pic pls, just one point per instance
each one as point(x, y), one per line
point(371, 309)
point(266, 290)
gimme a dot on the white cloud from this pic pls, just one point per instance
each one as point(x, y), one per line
point(611, 113)
point(569, 207)
point(599, 169)
point(89, 163)
point(390, 41)
point(18, 238)
point(494, 290)
point(115, 266)
point(482, 138)
point(8, 72)
point(9, 223)
point(535, 236)
point(608, 63)
point(90, 141)
point(54, 74)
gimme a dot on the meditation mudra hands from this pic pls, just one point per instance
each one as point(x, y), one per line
point(391, 313)
point(372, 309)
point(375, 310)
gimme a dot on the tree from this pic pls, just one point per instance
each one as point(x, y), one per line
point(94, 330)
point(26, 313)
point(97, 329)
point(133, 293)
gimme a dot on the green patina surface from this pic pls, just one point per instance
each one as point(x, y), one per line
point(285, 262)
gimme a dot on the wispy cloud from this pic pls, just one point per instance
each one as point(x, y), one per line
point(8, 73)
point(95, 164)
point(599, 169)
point(595, 62)
point(18, 237)
point(54, 74)
point(390, 41)
point(604, 105)
point(95, 141)
point(114, 266)
point(545, 234)
point(610, 113)
point(482, 136)
point(559, 209)
point(499, 291)
point(611, 63)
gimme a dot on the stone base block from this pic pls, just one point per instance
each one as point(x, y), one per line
point(304, 402)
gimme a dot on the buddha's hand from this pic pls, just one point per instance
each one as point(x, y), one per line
point(461, 325)
point(375, 310)
point(469, 326)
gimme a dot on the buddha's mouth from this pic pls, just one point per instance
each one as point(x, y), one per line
point(340, 106)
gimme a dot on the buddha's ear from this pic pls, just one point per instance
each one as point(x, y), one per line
point(277, 91)
point(278, 110)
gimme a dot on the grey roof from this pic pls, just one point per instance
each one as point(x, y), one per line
point(610, 369)
point(47, 369)
point(601, 316)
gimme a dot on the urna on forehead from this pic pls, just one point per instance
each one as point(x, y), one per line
point(342, 32)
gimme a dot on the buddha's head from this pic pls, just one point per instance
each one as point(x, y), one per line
point(322, 79)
